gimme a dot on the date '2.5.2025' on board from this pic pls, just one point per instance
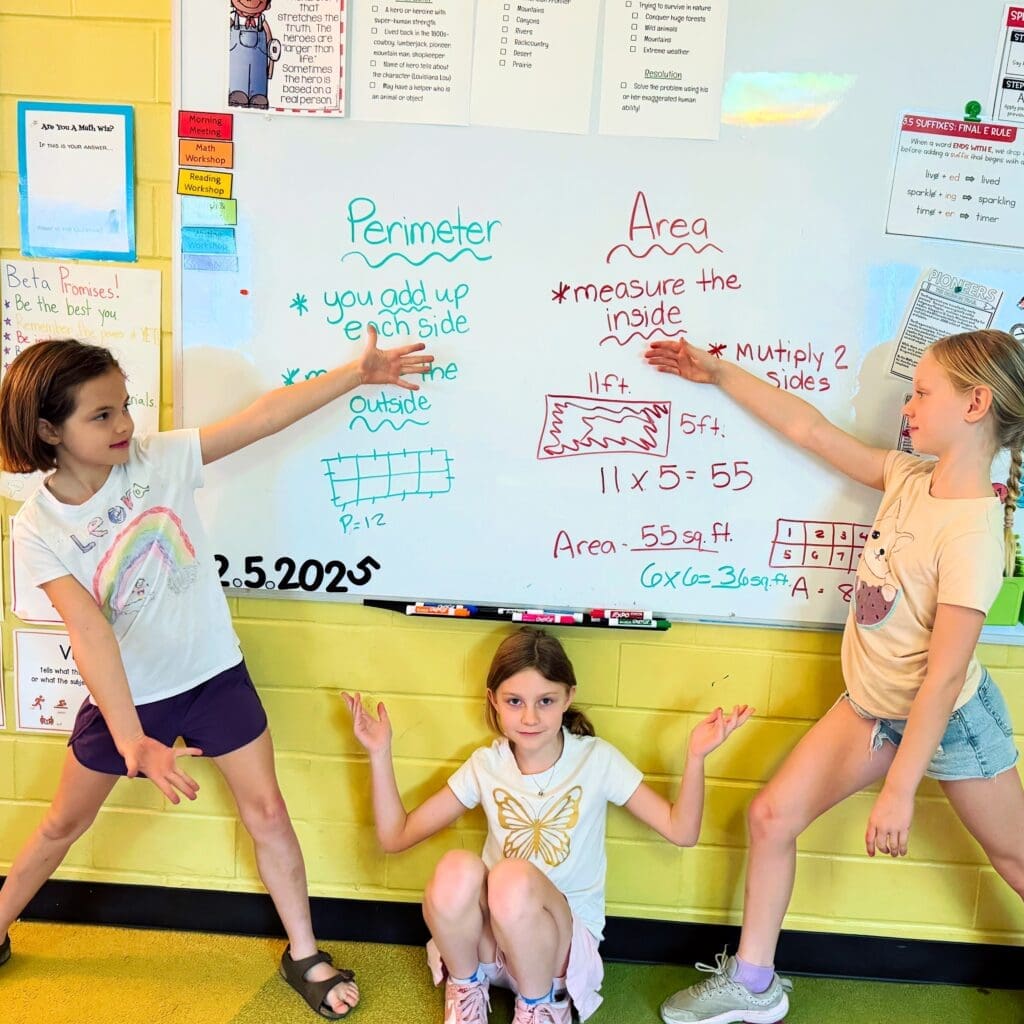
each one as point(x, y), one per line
point(285, 573)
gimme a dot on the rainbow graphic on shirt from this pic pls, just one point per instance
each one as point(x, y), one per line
point(155, 543)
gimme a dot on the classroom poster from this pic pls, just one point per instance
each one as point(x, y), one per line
point(113, 307)
point(661, 72)
point(958, 180)
point(76, 170)
point(533, 64)
point(1008, 86)
point(941, 304)
point(411, 62)
point(289, 59)
point(48, 688)
point(102, 305)
point(29, 603)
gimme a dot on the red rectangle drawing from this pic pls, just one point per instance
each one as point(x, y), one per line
point(584, 425)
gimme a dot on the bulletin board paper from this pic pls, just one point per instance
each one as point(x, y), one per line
point(113, 307)
point(1008, 86)
point(958, 180)
point(49, 690)
point(76, 166)
point(524, 55)
point(661, 73)
point(412, 62)
point(117, 308)
point(941, 304)
point(289, 58)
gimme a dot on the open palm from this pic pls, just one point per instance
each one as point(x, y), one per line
point(389, 365)
point(713, 731)
point(373, 733)
point(684, 360)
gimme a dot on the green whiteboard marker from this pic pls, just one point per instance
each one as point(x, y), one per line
point(639, 623)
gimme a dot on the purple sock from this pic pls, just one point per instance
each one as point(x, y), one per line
point(752, 977)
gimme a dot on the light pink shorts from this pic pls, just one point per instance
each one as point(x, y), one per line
point(583, 976)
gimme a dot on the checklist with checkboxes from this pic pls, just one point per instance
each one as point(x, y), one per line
point(661, 68)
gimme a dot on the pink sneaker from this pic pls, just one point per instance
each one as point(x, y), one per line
point(466, 1004)
point(558, 1012)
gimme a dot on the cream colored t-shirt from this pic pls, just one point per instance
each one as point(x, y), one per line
point(921, 552)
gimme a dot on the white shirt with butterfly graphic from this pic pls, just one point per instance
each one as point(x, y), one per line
point(561, 832)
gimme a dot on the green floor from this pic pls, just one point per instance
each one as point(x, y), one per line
point(89, 975)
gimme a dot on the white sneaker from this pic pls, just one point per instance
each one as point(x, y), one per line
point(466, 1003)
point(720, 1000)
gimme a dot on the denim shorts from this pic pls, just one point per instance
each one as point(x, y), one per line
point(977, 744)
point(218, 716)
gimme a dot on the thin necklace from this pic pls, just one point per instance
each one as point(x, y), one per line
point(541, 790)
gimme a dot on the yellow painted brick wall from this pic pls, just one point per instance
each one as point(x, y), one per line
point(645, 693)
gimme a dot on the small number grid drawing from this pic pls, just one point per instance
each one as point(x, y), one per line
point(356, 479)
point(809, 544)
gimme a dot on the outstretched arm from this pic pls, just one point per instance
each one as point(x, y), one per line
point(397, 830)
point(783, 411)
point(679, 822)
point(98, 658)
point(284, 406)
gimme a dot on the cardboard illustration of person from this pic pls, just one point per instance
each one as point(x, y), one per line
point(253, 51)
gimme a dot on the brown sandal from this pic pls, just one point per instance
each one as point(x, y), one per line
point(314, 992)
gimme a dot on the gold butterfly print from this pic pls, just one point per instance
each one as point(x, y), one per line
point(548, 836)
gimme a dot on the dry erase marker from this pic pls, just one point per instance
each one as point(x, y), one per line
point(457, 611)
point(537, 611)
point(391, 606)
point(639, 623)
point(549, 618)
point(620, 613)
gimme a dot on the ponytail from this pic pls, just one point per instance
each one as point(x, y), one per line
point(577, 722)
point(1012, 494)
point(994, 360)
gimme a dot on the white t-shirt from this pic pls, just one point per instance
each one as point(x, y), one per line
point(138, 547)
point(921, 552)
point(561, 832)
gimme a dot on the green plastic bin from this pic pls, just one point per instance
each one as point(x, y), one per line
point(1006, 608)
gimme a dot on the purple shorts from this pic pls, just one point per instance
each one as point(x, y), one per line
point(218, 716)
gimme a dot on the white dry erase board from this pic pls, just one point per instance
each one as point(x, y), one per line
point(544, 463)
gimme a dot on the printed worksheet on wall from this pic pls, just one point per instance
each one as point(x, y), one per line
point(661, 70)
point(411, 62)
point(533, 64)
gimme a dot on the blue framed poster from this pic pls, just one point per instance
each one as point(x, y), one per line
point(76, 180)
